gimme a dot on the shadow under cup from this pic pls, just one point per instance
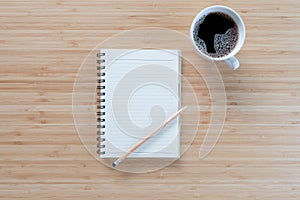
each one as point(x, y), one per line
point(217, 33)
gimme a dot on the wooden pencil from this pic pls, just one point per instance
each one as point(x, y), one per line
point(137, 145)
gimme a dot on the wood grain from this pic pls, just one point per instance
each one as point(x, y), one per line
point(42, 44)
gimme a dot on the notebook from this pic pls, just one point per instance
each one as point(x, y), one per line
point(137, 90)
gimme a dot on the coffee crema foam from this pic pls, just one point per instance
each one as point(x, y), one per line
point(223, 43)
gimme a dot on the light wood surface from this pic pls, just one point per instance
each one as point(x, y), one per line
point(43, 43)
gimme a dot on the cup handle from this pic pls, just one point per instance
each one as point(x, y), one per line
point(232, 62)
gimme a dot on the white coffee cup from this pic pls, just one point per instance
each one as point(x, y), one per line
point(230, 58)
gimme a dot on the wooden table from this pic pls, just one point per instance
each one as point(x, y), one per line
point(42, 45)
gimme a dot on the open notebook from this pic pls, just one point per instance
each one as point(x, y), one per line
point(138, 90)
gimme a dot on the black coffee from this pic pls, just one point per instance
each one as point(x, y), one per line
point(216, 34)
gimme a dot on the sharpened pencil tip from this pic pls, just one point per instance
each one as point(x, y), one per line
point(117, 162)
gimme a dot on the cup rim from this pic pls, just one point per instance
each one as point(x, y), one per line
point(240, 42)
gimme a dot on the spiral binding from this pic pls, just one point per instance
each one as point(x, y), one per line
point(100, 104)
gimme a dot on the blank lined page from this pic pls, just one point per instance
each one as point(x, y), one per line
point(142, 90)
